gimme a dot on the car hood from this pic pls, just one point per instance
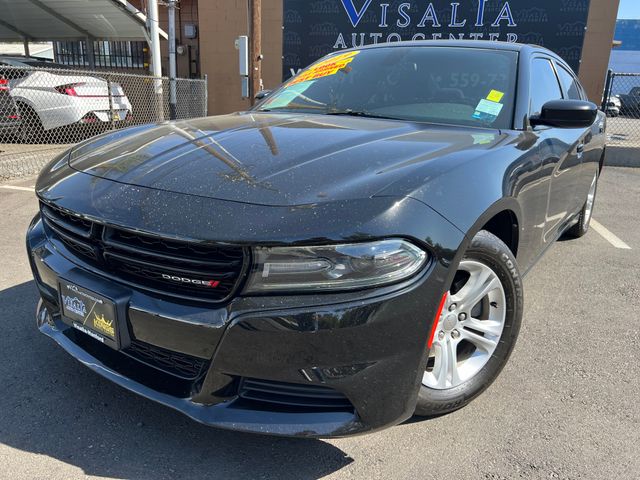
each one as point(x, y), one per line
point(280, 159)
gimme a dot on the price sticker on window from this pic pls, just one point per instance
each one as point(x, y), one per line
point(327, 67)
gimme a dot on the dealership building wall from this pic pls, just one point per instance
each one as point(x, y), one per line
point(222, 21)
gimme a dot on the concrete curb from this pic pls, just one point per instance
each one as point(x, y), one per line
point(622, 157)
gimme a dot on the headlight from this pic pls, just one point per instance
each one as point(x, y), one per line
point(335, 267)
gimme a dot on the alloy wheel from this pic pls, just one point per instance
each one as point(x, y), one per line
point(469, 328)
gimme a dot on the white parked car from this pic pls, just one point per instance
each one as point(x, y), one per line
point(48, 100)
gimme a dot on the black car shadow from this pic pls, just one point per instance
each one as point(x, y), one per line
point(53, 406)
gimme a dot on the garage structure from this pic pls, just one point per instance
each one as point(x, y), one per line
point(72, 20)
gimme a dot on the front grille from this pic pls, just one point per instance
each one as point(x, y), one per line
point(188, 270)
point(73, 231)
point(292, 395)
point(175, 363)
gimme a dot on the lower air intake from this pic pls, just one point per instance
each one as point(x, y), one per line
point(280, 395)
point(173, 363)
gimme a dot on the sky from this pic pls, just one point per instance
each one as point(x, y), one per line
point(629, 9)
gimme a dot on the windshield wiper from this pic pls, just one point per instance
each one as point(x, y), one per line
point(360, 113)
point(290, 108)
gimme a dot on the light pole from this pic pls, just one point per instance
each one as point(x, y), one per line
point(156, 60)
point(171, 6)
point(255, 48)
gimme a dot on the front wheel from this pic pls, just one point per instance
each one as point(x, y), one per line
point(477, 329)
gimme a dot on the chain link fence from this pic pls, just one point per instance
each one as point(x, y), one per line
point(622, 105)
point(44, 111)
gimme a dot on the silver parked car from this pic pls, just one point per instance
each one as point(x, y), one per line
point(614, 106)
point(48, 98)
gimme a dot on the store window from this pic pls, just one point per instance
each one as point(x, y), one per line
point(107, 54)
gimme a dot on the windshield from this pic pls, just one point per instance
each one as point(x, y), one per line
point(458, 86)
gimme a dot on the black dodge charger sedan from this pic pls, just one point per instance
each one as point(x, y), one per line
point(343, 256)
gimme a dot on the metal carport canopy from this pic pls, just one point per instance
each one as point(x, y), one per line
point(46, 20)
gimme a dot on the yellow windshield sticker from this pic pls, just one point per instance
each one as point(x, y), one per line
point(327, 67)
point(495, 95)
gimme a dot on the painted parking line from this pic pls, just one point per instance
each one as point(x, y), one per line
point(608, 236)
point(14, 187)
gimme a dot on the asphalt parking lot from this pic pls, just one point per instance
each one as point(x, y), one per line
point(566, 406)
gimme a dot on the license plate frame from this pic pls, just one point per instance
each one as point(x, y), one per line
point(89, 312)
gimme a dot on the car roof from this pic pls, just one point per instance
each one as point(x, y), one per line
point(478, 44)
point(31, 61)
point(24, 57)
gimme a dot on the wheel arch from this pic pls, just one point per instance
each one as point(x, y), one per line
point(22, 102)
point(497, 217)
point(506, 227)
point(502, 219)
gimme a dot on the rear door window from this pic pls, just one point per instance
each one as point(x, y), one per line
point(570, 84)
point(544, 85)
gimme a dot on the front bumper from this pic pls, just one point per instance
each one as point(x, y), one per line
point(224, 415)
point(343, 363)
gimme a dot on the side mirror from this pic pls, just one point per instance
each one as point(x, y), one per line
point(262, 94)
point(566, 114)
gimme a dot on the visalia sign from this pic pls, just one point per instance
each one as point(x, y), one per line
point(313, 28)
point(430, 15)
point(429, 18)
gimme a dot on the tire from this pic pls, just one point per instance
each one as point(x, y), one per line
point(581, 228)
point(31, 129)
point(502, 305)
